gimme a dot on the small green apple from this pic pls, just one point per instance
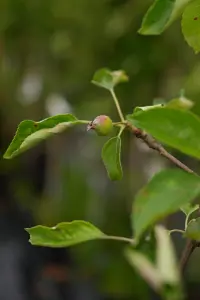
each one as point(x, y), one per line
point(102, 124)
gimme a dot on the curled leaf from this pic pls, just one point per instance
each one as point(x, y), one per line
point(180, 103)
point(108, 79)
point(30, 133)
point(166, 257)
point(145, 268)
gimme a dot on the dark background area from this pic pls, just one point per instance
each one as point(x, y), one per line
point(49, 51)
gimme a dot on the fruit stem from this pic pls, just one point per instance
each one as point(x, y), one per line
point(83, 121)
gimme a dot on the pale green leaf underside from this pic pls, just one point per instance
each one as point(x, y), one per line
point(111, 156)
point(179, 129)
point(191, 25)
point(164, 272)
point(30, 133)
point(180, 103)
point(145, 268)
point(164, 194)
point(160, 15)
point(64, 234)
point(166, 258)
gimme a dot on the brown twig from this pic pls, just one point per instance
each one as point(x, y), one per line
point(153, 144)
point(187, 252)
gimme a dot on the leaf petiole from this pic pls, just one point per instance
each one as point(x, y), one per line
point(117, 105)
point(118, 238)
point(186, 221)
point(121, 130)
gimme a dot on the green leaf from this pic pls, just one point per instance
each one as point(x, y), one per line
point(193, 229)
point(176, 128)
point(145, 268)
point(111, 156)
point(163, 195)
point(108, 79)
point(160, 15)
point(191, 25)
point(189, 208)
point(64, 234)
point(30, 133)
point(166, 258)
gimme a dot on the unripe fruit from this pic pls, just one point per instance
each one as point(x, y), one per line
point(102, 125)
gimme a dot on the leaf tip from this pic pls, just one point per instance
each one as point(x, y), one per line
point(28, 230)
point(149, 31)
point(142, 31)
point(115, 178)
point(6, 156)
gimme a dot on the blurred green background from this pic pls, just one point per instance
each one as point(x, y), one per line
point(49, 51)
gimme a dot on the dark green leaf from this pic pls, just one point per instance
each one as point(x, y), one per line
point(189, 208)
point(193, 229)
point(64, 234)
point(108, 79)
point(160, 15)
point(176, 128)
point(147, 245)
point(163, 195)
point(145, 268)
point(30, 133)
point(111, 156)
point(191, 25)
